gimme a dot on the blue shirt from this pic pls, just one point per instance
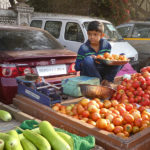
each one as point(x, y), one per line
point(86, 50)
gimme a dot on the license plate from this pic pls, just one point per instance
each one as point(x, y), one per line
point(51, 70)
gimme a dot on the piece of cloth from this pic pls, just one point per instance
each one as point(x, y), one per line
point(86, 50)
point(126, 69)
point(80, 143)
point(101, 71)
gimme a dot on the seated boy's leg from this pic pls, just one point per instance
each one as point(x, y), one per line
point(89, 68)
point(110, 72)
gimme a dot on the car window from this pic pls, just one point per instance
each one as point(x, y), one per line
point(141, 31)
point(124, 31)
point(53, 27)
point(36, 23)
point(27, 40)
point(73, 32)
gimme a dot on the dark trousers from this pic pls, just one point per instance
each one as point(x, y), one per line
point(101, 71)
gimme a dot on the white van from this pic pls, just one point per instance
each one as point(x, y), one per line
point(71, 32)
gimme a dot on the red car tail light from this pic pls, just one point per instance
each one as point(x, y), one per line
point(8, 70)
point(22, 70)
point(72, 68)
point(11, 70)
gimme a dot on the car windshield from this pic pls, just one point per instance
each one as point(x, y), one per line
point(110, 32)
point(15, 40)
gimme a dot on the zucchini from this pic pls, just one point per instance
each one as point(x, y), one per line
point(26, 144)
point(67, 138)
point(57, 142)
point(15, 134)
point(39, 141)
point(5, 115)
point(11, 142)
point(1, 144)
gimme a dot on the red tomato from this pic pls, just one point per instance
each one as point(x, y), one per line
point(85, 113)
point(117, 121)
point(118, 129)
point(136, 84)
point(128, 118)
point(138, 122)
point(129, 107)
point(95, 116)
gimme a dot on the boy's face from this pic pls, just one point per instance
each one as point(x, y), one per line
point(94, 36)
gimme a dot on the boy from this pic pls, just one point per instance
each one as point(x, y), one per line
point(88, 51)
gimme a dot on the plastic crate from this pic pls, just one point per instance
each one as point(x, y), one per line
point(34, 94)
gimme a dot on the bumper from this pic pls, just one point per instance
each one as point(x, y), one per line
point(8, 87)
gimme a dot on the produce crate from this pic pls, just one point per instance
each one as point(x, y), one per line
point(108, 141)
point(35, 95)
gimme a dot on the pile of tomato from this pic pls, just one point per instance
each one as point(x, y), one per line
point(118, 118)
point(136, 89)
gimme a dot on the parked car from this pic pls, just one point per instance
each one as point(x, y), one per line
point(71, 32)
point(31, 50)
point(138, 35)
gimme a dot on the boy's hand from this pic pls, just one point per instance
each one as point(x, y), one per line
point(93, 56)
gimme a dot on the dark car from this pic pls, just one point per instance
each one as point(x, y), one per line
point(137, 33)
point(31, 50)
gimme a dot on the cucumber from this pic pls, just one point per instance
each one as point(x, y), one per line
point(26, 144)
point(11, 142)
point(4, 136)
point(1, 144)
point(39, 141)
point(67, 138)
point(15, 134)
point(5, 116)
point(53, 138)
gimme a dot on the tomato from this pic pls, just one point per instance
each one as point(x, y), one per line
point(135, 129)
point(121, 109)
point(136, 84)
point(101, 123)
point(95, 116)
point(143, 126)
point(118, 129)
point(128, 118)
point(103, 111)
point(136, 114)
point(91, 122)
point(85, 113)
point(138, 122)
point(129, 107)
point(85, 119)
point(114, 103)
point(128, 128)
point(145, 117)
point(80, 109)
point(117, 121)
point(121, 134)
point(110, 127)
point(107, 104)
point(141, 108)
point(84, 101)
point(126, 133)
point(110, 117)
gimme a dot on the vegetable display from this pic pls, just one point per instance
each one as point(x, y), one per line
point(42, 138)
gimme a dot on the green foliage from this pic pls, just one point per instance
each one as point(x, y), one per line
point(114, 10)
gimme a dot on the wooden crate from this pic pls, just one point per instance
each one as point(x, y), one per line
point(108, 141)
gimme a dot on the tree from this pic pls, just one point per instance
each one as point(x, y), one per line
point(114, 10)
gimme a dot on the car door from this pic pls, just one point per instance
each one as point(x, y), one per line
point(73, 36)
point(140, 39)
